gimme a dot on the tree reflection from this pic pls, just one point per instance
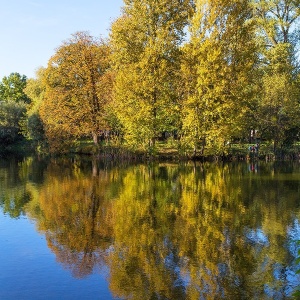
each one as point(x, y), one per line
point(144, 214)
point(197, 219)
point(74, 214)
point(13, 192)
point(168, 231)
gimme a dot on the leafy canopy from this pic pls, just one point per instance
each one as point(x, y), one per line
point(12, 88)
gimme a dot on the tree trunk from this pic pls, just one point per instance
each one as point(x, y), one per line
point(95, 138)
point(94, 167)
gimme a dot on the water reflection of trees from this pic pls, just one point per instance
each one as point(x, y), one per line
point(165, 231)
point(13, 192)
point(76, 216)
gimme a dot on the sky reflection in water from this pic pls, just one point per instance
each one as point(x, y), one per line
point(82, 229)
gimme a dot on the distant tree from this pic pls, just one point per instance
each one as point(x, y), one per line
point(32, 126)
point(12, 88)
point(11, 113)
point(78, 84)
point(35, 88)
point(13, 105)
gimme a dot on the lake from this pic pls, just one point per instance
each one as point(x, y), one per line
point(79, 228)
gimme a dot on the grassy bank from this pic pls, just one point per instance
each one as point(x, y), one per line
point(170, 151)
point(165, 150)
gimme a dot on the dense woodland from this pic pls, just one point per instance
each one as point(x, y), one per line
point(197, 76)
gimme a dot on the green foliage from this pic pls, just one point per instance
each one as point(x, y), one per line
point(78, 84)
point(11, 113)
point(12, 107)
point(35, 128)
point(278, 111)
point(12, 88)
point(146, 57)
point(32, 124)
point(35, 89)
point(222, 58)
point(237, 71)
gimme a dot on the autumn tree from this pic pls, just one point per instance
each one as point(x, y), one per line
point(278, 109)
point(220, 71)
point(78, 84)
point(145, 43)
point(77, 219)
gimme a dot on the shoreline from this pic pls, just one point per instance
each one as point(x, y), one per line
point(238, 152)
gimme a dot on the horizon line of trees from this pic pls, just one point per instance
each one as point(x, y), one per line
point(205, 73)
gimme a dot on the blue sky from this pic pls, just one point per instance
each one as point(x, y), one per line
point(31, 30)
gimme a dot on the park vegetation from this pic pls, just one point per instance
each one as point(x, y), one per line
point(196, 77)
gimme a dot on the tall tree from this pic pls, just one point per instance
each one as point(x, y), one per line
point(278, 20)
point(278, 108)
point(13, 105)
point(33, 127)
point(12, 88)
point(11, 114)
point(145, 42)
point(78, 84)
point(221, 57)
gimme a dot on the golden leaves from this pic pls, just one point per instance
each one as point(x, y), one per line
point(78, 88)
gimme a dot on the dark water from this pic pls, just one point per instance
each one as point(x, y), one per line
point(80, 229)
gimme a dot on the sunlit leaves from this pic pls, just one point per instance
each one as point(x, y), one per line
point(78, 88)
point(278, 108)
point(32, 125)
point(222, 57)
point(12, 88)
point(145, 43)
point(278, 20)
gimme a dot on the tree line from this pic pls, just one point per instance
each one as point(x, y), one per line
point(204, 74)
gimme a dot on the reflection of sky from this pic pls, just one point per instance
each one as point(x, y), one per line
point(173, 263)
point(293, 237)
point(293, 233)
point(29, 269)
point(256, 237)
point(285, 279)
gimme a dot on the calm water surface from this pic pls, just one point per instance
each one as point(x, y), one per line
point(74, 228)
